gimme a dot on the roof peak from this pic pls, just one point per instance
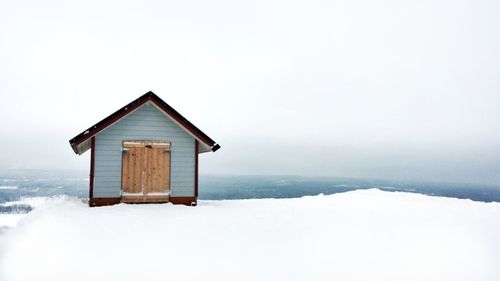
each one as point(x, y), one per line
point(77, 141)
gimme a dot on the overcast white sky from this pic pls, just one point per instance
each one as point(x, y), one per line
point(379, 89)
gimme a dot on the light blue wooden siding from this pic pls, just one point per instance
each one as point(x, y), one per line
point(146, 123)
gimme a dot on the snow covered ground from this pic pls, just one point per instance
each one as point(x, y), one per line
point(10, 220)
point(358, 235)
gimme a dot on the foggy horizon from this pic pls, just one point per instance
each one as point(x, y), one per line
point(386, 90)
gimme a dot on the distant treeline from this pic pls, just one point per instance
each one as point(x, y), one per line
point(15, 209)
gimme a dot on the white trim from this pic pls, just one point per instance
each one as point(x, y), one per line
point(158, 193)
point(104, 129)
point(184, 128)
point(132, 193)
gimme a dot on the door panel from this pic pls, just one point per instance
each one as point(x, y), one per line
point(132, 169)
point(158, 170)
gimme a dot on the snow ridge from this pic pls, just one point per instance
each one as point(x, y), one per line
point(358, 235)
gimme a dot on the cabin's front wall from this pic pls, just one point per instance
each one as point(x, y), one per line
point(146, 123)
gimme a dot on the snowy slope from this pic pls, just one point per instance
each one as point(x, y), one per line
point(358, 235)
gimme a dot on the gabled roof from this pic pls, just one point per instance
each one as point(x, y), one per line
point(81, 142)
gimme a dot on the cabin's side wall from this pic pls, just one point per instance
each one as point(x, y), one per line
point(146, 123)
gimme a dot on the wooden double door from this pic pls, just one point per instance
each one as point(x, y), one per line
point(145, 171)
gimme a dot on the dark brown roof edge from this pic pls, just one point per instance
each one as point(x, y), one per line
point(120, 113)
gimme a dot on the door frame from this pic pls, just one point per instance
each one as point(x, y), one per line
point(145, 198)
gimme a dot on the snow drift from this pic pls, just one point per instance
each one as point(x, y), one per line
point(358, 235)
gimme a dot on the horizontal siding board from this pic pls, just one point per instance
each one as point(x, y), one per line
point(109, 140)
point(146, 123)
point(106, 170)
point(152, 134)
point(108, 187)
point(183, 185)
point(152, 125)
point(107, 179)
point(183, 175)
point(106, 174)
point(185, 166)
point(113, 193)
point(153, 122)
point(110, 144)
point(181, 193)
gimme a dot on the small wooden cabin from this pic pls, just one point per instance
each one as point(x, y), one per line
point(144, 152)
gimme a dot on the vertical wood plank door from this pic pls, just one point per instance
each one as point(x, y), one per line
point(157, 183)
point(145, 171)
